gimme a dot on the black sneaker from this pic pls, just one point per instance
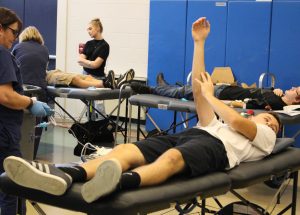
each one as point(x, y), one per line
point(104, 182)
point(160, 80)
point(38, 176)
point(109, 81)
point(140, 88)
point(126, 78)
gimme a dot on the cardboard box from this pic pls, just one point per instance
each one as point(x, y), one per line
point(223, 75)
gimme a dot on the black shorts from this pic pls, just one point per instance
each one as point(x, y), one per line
point(201, 152)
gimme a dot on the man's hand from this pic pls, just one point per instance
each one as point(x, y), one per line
point(278, 92)
point(206, 85)
point(200, 29)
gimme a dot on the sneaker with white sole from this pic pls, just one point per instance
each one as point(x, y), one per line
point(127, 77)
point(38, 176)
point(104, 182)
point(109, 81)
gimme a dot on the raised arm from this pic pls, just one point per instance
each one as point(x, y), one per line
point(206, 104)
point(200, 31)
point(242, 125)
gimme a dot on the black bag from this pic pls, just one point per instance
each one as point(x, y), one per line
point(98, 133)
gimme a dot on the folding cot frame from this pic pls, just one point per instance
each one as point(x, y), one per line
point(90, 94)
point(178, 190)
point(31, 90)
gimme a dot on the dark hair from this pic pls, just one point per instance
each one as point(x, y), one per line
point(275, 115)
point(297, 100)
point(98, 23)
point(8, 17)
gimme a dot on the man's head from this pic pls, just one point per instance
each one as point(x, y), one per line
point(293, 95)
point(270, 119)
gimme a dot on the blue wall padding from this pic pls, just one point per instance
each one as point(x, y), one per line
point(167, 40)
point(216, 13)
point(248, 34)
point(166, 48)
point(43, 15)
point(285, 44)
point(285, 48)
point(16, 5)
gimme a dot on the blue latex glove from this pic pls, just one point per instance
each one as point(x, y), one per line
point(40, 109)
point(48, 110)
point(43, 125)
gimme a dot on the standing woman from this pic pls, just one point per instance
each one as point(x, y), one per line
point(12, 100)
point(95, 52)
point(93, 59)
point(32, 57)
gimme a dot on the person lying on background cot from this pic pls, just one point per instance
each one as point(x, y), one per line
point(268, 99)
point(60, 78)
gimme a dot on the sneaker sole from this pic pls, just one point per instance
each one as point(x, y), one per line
point(104, 182)
point(127, 78)
point(22, 173)
point(113, 81)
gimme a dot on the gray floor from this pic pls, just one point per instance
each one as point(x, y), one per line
point(57, 146)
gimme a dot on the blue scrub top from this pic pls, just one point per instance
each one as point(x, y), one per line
point(32, 58)
point(10, 120)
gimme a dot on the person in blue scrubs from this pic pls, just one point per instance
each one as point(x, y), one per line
point(12, 100)
point(33, 56)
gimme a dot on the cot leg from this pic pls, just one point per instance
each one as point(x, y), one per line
point(248, 203)
point(295, 187)
point(174, 122)
point(126, 118)
point(38, 209)
point(138, 123)
point(203, 207)
point(64, 110)
point(218, 202)
point(188, 207)
point(293, 204)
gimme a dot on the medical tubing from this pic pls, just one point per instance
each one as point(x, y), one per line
point(83, 145)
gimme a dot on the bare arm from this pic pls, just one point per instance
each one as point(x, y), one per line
point(242, 125)
point(89, 63)
point(206, 104)
point(237, 104)
point(200, 31)
point(11, 99)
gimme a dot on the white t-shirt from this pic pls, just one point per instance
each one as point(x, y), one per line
point(238, 147)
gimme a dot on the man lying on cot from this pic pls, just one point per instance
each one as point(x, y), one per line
point(252, 98)
point(210, 146)
point(58, 77)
